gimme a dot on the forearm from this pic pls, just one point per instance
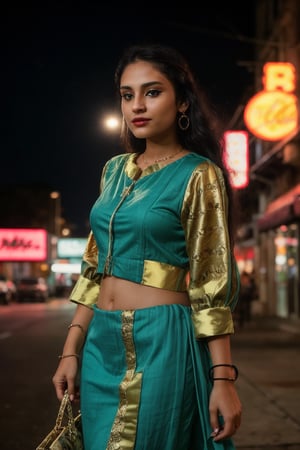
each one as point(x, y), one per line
point(77, 332)
point(220, 351)
point(224, 401)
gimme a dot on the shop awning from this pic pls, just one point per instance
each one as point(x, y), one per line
point(282, 211)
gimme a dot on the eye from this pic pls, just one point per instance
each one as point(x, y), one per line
point(153, 93)
point(126, 96)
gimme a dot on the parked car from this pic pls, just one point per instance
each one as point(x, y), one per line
point(7, 290)
point(32, 289)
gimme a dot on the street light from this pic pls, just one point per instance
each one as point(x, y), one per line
point(55, 196)
point(112, 123)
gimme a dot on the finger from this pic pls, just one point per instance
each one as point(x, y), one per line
point(214, 421)
point(71, 389)
point(60, 386)
point(215, 425)
point(225, 432)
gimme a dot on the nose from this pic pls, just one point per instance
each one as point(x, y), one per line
point(139, 104)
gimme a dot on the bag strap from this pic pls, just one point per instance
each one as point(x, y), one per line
point(65, 409)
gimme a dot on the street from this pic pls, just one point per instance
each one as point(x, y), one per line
point(31, 338)
point(269, 387)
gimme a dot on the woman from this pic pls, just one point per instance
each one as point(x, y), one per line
point(159, 281)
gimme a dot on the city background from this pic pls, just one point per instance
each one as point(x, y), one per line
point(58, 93)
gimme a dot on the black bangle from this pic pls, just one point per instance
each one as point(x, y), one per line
point(232, 366)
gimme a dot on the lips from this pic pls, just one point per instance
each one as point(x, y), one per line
point(140, 121)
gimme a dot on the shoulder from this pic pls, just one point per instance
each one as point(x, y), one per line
point(118, 159)
point(205, 190)
point(204, 170)
point(112, 167)
point(116, 162)
point(206, 187)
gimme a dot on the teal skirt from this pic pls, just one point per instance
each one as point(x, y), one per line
point(144, 382)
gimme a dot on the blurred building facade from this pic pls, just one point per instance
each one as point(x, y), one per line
point(31, 223)
point(268, 234)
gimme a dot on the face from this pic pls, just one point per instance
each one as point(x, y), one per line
point(148, 102)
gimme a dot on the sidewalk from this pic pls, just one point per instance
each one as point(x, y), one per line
point(268, 357)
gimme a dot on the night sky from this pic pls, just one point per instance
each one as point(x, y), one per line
point(57, 73)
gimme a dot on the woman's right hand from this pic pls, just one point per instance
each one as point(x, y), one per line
point(64, 378)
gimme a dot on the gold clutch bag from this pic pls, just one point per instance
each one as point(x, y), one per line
point(67, 432)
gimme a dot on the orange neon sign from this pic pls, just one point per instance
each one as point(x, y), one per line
point(236, 157)
point(272, 113)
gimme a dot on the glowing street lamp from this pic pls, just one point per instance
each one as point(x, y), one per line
point(55, 196)
point(112, 123)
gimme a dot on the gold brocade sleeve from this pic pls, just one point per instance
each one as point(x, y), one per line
point(213, 278)
point(87, 288)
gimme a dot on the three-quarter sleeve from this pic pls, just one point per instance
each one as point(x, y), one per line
point(87, 288)
point(213, 278)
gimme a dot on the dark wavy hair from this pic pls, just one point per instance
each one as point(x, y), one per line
point(204, 134)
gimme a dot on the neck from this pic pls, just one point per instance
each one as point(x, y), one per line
point(159, 158)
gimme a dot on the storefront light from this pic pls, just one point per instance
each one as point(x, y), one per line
point(66, 268)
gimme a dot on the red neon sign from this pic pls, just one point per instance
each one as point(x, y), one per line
point(237, 157)
point(18, 244)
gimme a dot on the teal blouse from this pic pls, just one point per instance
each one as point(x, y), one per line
point(165, 227)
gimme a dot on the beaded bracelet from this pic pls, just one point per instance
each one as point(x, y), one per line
point(232, 366)
point(77, 325)
point(68, 356)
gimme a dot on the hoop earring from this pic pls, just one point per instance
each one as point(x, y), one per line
point(184, 122)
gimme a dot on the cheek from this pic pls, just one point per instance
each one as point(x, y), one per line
point(125, 114)
point(123, 109)
point(168, 115)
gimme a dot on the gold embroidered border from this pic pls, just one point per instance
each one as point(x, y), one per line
point(123, 431)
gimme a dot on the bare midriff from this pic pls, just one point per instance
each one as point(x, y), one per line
point(117, 293)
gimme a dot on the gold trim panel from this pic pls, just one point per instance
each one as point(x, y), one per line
point(123, 431)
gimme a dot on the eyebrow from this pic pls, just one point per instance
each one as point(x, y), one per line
point(144, 85)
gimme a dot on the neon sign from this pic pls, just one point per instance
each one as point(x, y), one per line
point(71, 247)
point(272, 113)
point(18, 244)
point(237, 157)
